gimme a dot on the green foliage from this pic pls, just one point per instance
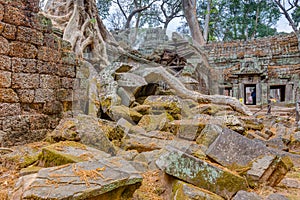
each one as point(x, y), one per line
point(296, 16)
point(103, 7)
point(244, 19)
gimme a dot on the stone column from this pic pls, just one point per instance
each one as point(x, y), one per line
point(264, 93)
point(235, 91)
point(241, 92)
point(289, 94)
point(258, 94)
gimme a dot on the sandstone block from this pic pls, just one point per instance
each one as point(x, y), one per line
point(66, 152)
point(16, 16)
point(153, 122)
point(9, 31)
point(118, 112)
point(201, 173)
point(67, 83)
point(25, 81)
point(53, 107)
point(38, 122)
point(49, 82)
point(66, 70)
point(68, 58)
point(208, 135)
point(170, 104)
point(182, 190)
point(33, 36)
point(64, 95)
point(23, 65)
point(243, 195)
point(269, 170)
point(8, 96)
point(187, 129)
point(5, 63)
point(4, 46)
point(41, 23)
point(85, 129)
point(46, 68)
point(1, 25)
point(113, 178)
point(49, 55)
point(44, 95)
point(1, 12)
point(51, 41)
point(25, 95)
point(16, 123)
point(9, 109)
point(5, 79)
point(241, 149)
point(31, 5)
point(22, 50)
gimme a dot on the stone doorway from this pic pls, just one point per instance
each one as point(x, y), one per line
point(250, 94)
point(277, 92)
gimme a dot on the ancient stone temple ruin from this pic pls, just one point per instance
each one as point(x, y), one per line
point(37, 73)
point(267, 68)
point(253, 71)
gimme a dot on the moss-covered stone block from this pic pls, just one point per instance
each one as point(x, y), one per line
point(153, 122)
point(185, 191)
point(187, 129)
point(118, 112)
point(165, 103)
point(201, 174)
point(68, 152)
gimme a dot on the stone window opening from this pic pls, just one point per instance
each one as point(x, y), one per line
point(277, 92)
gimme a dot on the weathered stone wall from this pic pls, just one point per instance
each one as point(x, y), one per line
point(37, 73)
point(264, 62)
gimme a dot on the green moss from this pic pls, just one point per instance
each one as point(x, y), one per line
point(51, 156)
point(235, 183)
point(177, 191)
point(45, 21)
point(30, 170)
point(69, 144)
point(30, 159)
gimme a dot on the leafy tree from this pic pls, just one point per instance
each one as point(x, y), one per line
point(247, 19)
point(163, 12)
point(294, 18)
point(133, 8)
point(103, 8)
point(190, 13)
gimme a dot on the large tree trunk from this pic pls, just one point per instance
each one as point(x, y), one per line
point(207, 20)
point(189, 9)
point(81, 26)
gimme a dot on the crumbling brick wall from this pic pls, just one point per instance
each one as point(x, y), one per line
point(37, 74)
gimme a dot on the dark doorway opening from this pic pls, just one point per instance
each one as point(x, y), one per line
point(250, 94)
point(277, 92)
point(228, 91)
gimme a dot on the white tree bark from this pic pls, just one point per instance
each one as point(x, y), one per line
point(81, 26)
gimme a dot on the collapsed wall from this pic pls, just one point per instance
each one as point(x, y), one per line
point(37, 74)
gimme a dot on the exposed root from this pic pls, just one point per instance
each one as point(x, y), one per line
point(79, 22)
point(159, 73)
